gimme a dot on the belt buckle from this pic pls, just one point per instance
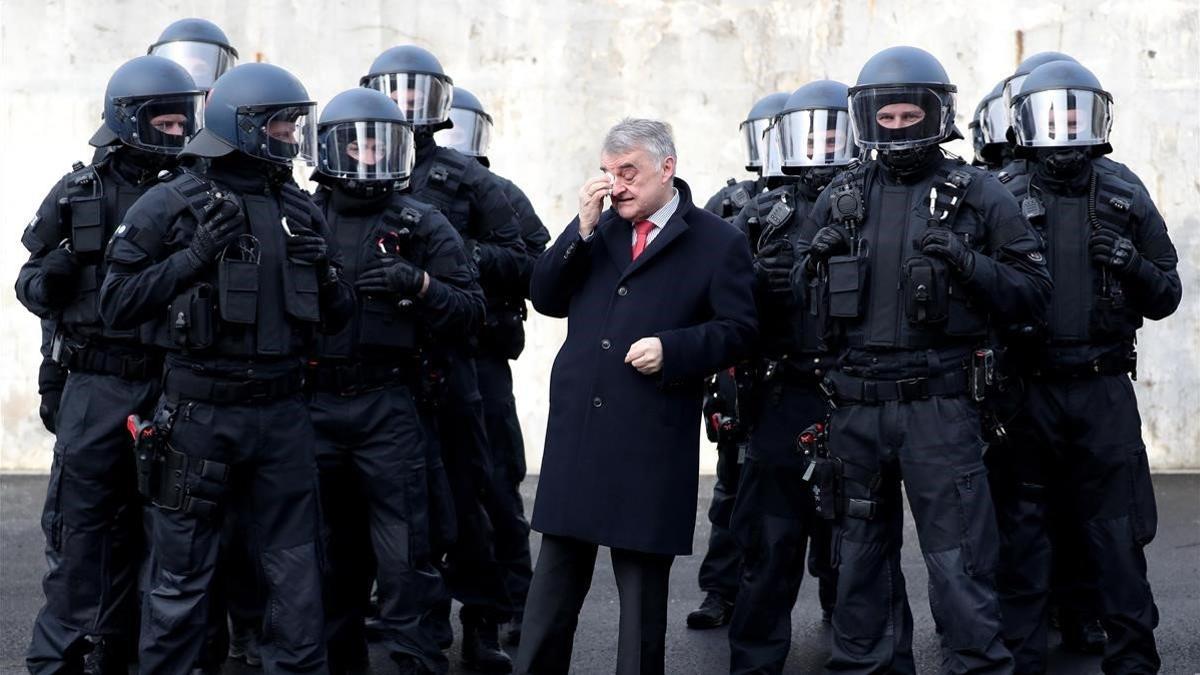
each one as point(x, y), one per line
point(911, 389)
point(257, 390)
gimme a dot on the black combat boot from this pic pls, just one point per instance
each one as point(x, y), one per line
point(714, 612)
point(481, 647)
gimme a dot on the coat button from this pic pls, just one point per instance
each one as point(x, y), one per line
point(597, 402)
point(605, 344)
point(623, 291)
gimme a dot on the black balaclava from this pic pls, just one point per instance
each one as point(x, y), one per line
point(910, 162)
point(138, 166)
point(814, 179)
point(1063, 163)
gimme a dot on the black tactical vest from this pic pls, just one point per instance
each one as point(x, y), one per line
point(886, 294)
point(441, 180)
point(92, 204)
point(254, 302)
point(1088, 304)
point(384, 327)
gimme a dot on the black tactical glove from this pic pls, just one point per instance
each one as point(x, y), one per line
point(1113, 251)
point(940, 242)
point(59, 272)
point(828, 241)
point(51, 378)
point(391, 275)
point(473, 249)
point(773, 267)
point(222, 225)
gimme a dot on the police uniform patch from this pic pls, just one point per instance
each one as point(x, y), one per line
point(1036, 257)
point(120, 230)
point(33, 223)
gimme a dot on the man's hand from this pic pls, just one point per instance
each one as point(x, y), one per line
point(773, 267)
point(646, 355)
point(1113, 251)
point(940, 242)
point(307, 246)
point(393, 275)
point(223, 224)
point(828, 241)
point(591, 202)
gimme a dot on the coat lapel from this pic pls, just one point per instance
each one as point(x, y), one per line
point(616, 234)
point(674, 228)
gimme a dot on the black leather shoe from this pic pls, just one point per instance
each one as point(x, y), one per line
point(714, 612)
point(106, 657)
point(243, 645)
point(481, 648)
point(1083, 636)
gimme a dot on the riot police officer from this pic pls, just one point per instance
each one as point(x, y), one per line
point(235, 272)
point(910, 257)
point(92, 506)
point(988, 128)
point(726, 399)
point(502, 339)
point(474, 202)
point(735, 195)
point(415, 284)
point(773, 519)
point(198, 45)
point(1078, 455)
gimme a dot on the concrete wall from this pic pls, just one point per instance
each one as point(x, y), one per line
point(556, 74)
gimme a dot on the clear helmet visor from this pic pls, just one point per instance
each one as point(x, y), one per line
point(900, 117)
point(284, 135)
point(367, 151)
point(424, 99)
point(773, 158)
point(161, 124)
point(992, 122)
point(204, 60)
point(470, 135)
point(753, 133)
point(815, 138)
point(1062, 117)
point(1012, 87)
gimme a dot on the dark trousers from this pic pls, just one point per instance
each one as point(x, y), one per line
point(272, 486)
point(560, 585)
point(508, 470)
point(374, 496)
point(722, 561)
point(934, 446)
point(774, 523)
point(1082, 467)
point(92, 521)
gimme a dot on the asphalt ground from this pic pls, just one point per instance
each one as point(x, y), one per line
point(1174, 559)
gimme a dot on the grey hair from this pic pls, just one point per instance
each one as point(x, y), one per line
point(634, 133)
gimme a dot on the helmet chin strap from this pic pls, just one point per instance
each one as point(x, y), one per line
point(1063, 163)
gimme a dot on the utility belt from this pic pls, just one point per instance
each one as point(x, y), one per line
point(1112, 363)
point(841, 387)
point(170, 479)
point(89, 357)
point(795, 369)
point(357, 377)
point(181, 384)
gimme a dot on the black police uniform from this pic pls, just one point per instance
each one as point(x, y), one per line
point(503, 339)
point(371, 447)
point(907, 326)
point(474, 202)
point(773, 519)
point(1078, 457)
point(92, 516)
point(235, 425)
point(734, 196)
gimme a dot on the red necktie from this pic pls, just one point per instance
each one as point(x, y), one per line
point(643, 230)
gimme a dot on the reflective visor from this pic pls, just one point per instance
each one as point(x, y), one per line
point(1012, 87)
point(773, 166)
point(286, 134)
point(753, 133)
point(164, 123)
point(424, 99)
point(815, 138)
point(204, 60)
point(1060, 117)
point(895, 118)
point(993, 122)
point(471, 134)
point(367, 151)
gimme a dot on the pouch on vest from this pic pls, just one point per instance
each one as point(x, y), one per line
point(237, 284)
point(82, 311)
point(847, 285)
point(925, 285)
point(384, 324)
point(301, 293)
point(191, 318)
point(87, 225)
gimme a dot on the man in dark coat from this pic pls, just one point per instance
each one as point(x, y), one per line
point(658, 294)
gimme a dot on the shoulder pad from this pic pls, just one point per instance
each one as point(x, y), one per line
point(731, 182)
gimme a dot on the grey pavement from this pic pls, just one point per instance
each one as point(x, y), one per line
point(1174, 573)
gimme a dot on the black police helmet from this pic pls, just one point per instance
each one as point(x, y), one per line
point(465, 100)
point(1060, 75)
point(818, 95)
point(406, 59)
point(909, 66)
point(767, 107)
point(240, 102)
point(137, 82)
point(194, 30)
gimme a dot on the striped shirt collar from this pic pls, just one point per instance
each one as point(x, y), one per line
point(661, 216)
